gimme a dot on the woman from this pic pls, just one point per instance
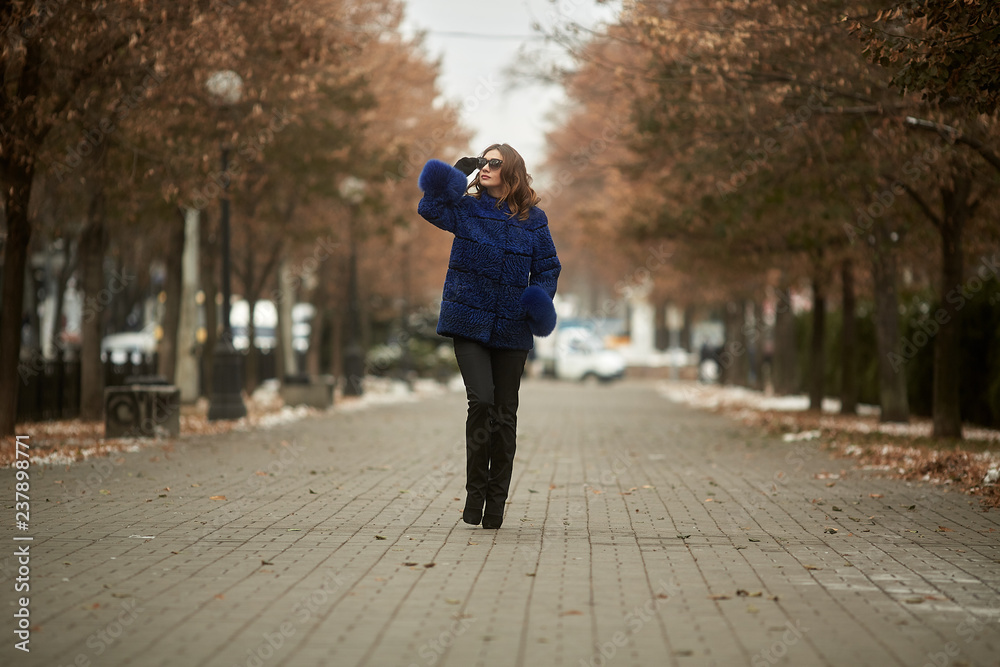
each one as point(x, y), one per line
point(501, 279)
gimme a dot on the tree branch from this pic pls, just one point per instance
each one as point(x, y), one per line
point(920, 202)
point(954, 135)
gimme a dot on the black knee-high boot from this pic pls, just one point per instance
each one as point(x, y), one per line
point(503, 446)
point(478, 434)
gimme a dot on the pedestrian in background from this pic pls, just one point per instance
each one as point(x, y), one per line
point(498, 293)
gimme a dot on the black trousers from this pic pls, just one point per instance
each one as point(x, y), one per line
point(492, 379)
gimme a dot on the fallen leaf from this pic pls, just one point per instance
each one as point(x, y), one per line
point(683, 537)
point(219, 596)
point(837, 509)
point(831, 484)
point(913, 600)
point(380, 537)
point(709, 500)
point(831, 531)
point(429, 564)
point(266, 562)
point(572, 612)
point(812, 567)
point(875, 495)
point(452, 601)
point(754, 539)
point(747, 594)
point(194, 485)
point(944, 529)
point(410, 563)
point(217, 498)
point(532, 491)
point(105, 492)
point(718, 597)
point(311, 491)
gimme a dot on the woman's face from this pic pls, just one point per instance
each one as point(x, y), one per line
point(490, 176)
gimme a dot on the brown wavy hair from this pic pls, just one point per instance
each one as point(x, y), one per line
point(517, 191)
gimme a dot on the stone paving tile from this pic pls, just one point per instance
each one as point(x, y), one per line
point(637, 533)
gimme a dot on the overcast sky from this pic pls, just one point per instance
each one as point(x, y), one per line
point(477, 41)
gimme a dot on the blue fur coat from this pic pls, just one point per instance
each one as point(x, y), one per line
point(494, 259)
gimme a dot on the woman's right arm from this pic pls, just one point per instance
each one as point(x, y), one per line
point(443, 187)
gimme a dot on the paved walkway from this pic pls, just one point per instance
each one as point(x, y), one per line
point(638, 533)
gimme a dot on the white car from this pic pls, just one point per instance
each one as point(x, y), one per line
point(580, 354)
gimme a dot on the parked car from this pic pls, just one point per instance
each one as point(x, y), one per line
point(580, 354)
point(134, 346)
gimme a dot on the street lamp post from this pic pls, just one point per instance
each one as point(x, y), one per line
point(352, 189)
point(226, 399)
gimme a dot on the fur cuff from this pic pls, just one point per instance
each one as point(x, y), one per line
point(443, 181)
point(540, 309)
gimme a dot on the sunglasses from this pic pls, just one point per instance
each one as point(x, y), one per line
point(494, 163)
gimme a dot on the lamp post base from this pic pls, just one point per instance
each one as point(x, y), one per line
point(354, 371)
point(227, 383)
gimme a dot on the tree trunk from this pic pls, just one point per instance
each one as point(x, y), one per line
point(817, 346)
point(285, 304)
point(661, 333)
point(757, 347)
point(210, 288)
point(891, 366)
point(17, 188)
point(174, 256)
point(93, 240)
point(784, 360)
point(686, 329)
point(318, 300)
point(733, 353)
point(252, 367)
point(947, 352)
point(30, 308)
point(848, 341)
point(68, 266)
